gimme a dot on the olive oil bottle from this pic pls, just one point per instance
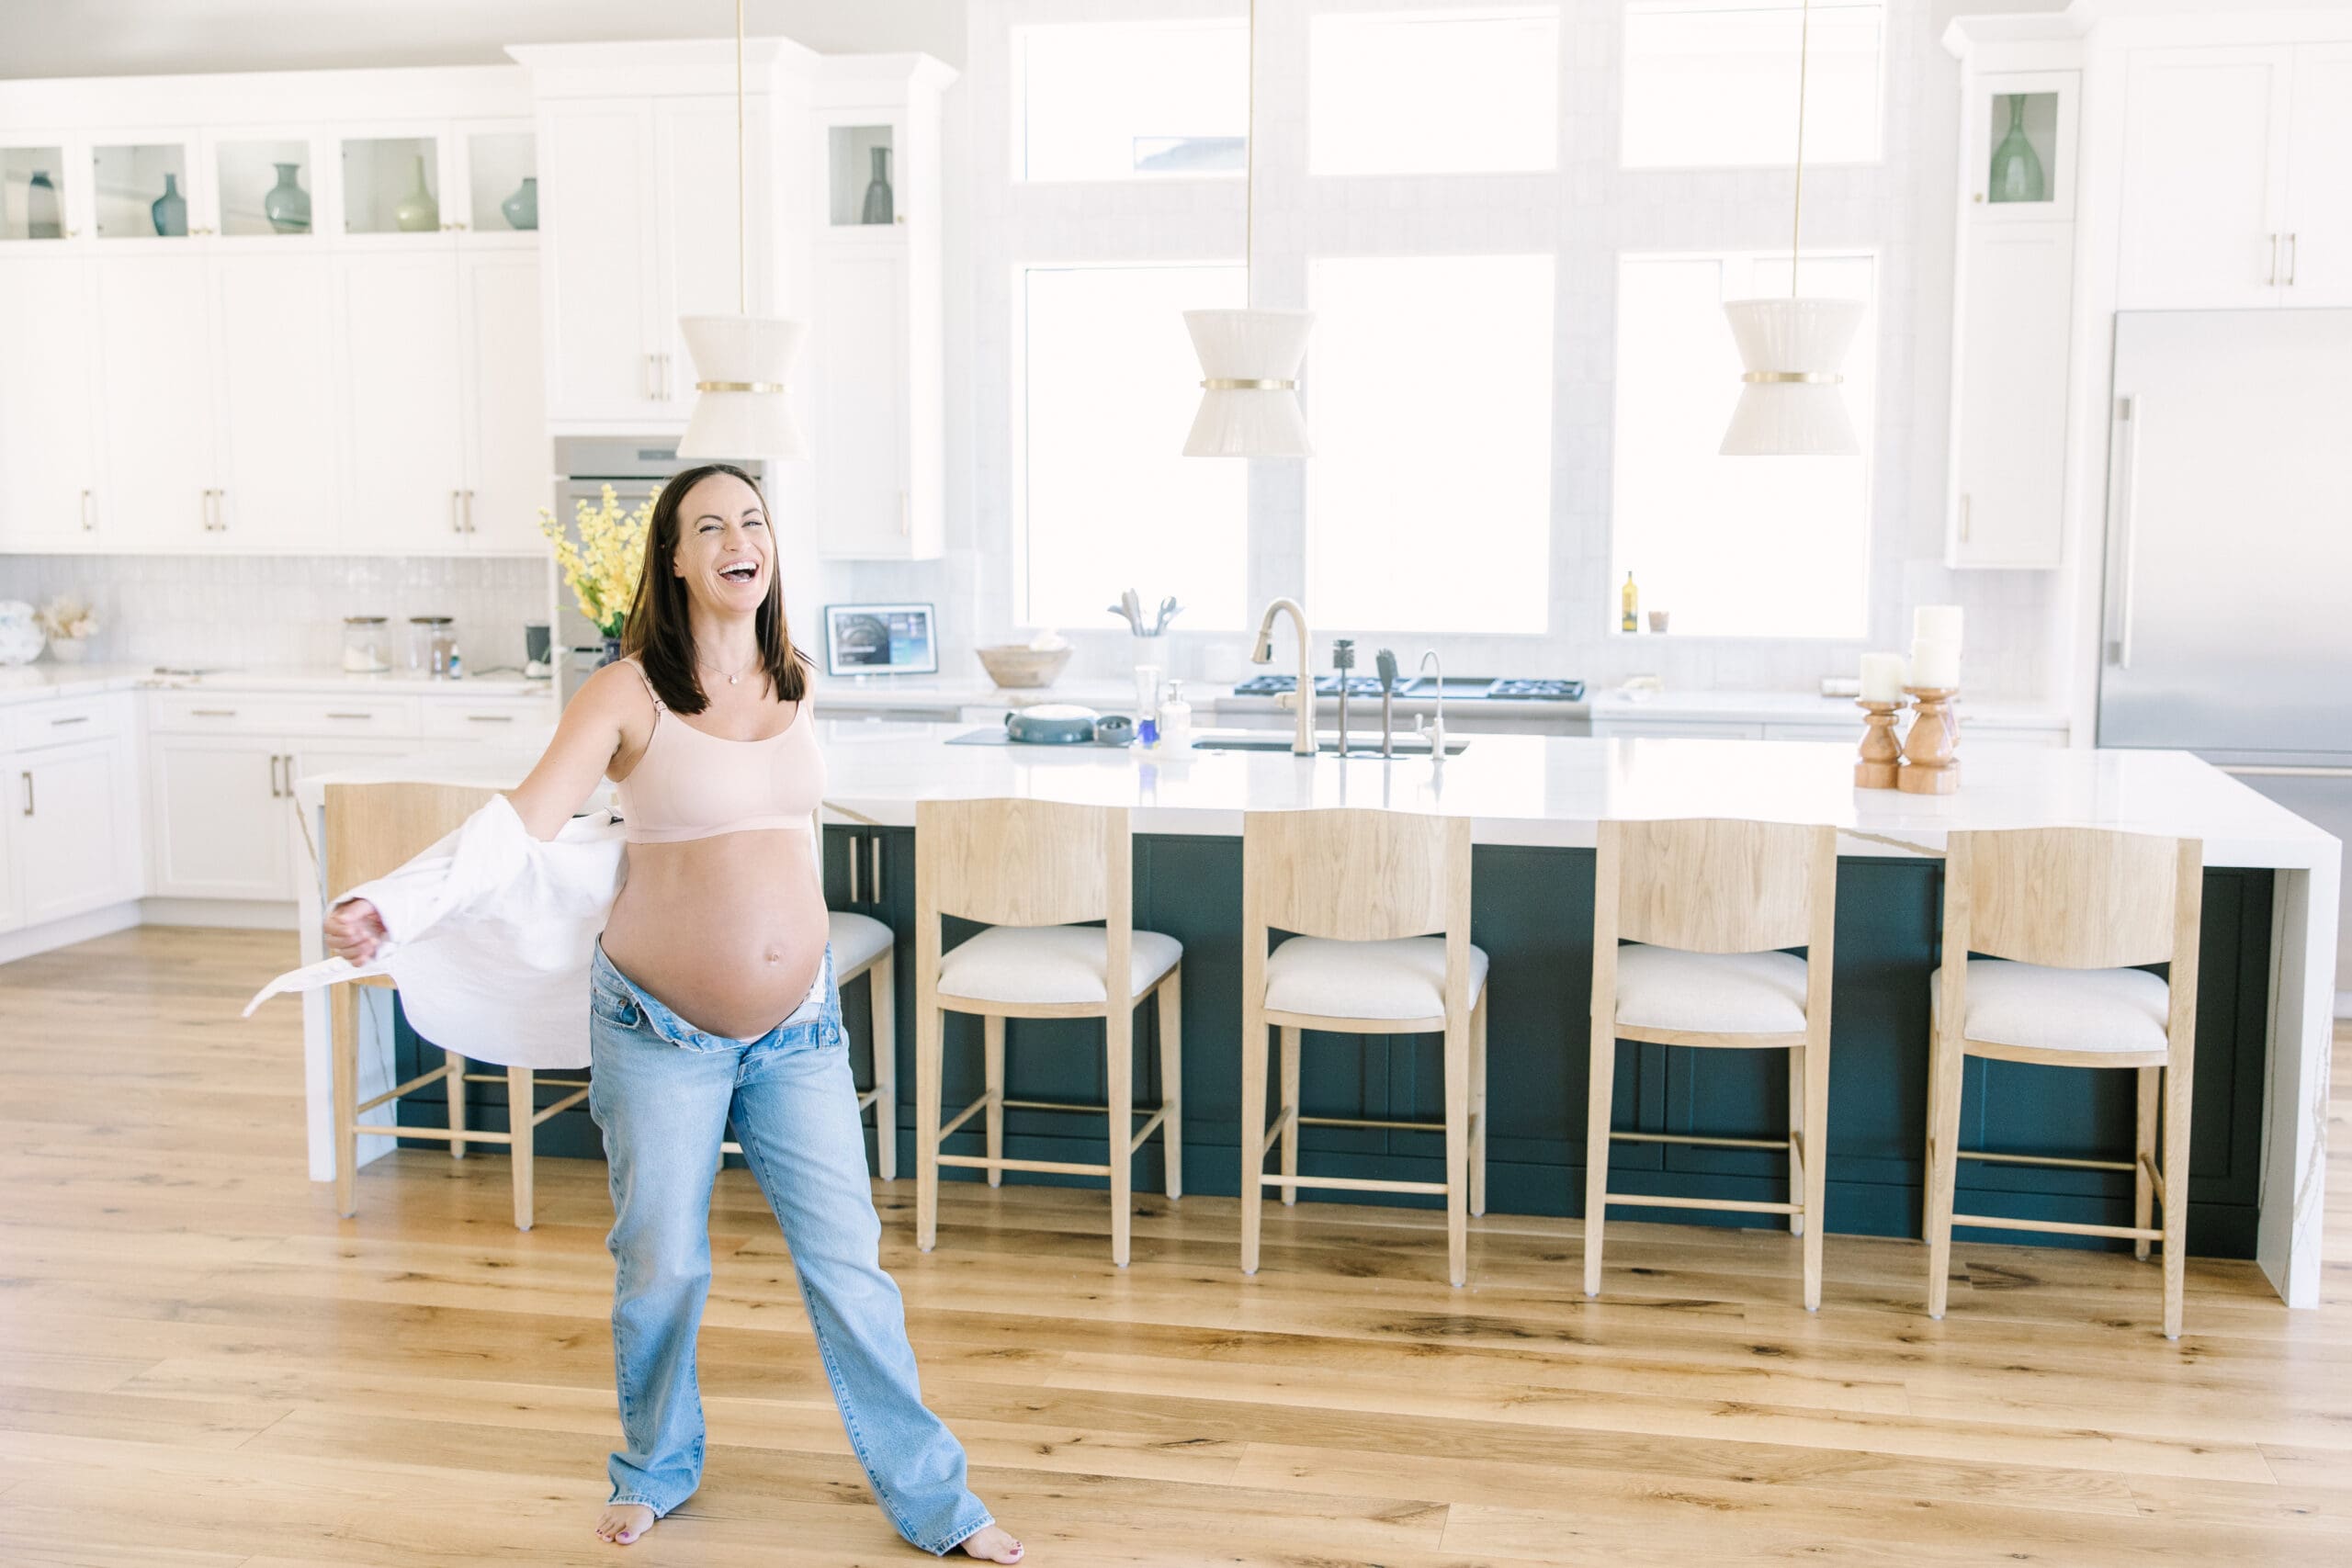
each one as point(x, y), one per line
point(1629, 600)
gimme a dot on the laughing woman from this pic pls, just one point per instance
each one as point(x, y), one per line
point(713, 1000)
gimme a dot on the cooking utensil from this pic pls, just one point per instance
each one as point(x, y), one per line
point(1051, 724)
point(1386, 662)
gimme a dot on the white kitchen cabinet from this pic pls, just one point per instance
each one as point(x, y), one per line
point(404, 385)
point(272, 399)
point(49, 470)
point(2318, 269)
point(2011, 325)
point(154, 343)
point(2204, 177)
point(216, 811)
point(11, 896)
point(696, 259)
point(862, 429)
point(71, 809)
point(509, 462)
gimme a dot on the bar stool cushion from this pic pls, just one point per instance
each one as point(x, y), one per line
point(2063, 1010)
point(1710, 993)
point(1403, 978)
point(1049, 963)
point(857, 939)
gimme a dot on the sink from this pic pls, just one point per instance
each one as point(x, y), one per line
point(1328, 746)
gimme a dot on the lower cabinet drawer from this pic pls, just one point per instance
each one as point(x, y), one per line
point(244, 713)
point(486, 719)
point(25, 726)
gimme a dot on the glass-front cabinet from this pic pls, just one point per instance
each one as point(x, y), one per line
point(2018, 138)
point(862, 176)
point(475, 180)
point(501, 172)
point(393, 183)
point(32, 192)
point(264, 183)
point(144, 187)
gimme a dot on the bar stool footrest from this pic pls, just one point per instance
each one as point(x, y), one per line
point(1734, 1205)
point(2059, 1227)
point(1353, 1183)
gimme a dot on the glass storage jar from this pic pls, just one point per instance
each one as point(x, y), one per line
point(367, 646)
point(431, 639)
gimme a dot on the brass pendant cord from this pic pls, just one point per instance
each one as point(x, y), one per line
point(1249, 170)
point(1796, 206)
point(744, 179)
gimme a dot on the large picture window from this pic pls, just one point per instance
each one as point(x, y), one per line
point(1484, 86)
point(1713, 83)
point(1732, 547)
point(1109, 387)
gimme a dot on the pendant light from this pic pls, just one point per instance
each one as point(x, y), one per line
point(1249, 357)
point(1790, 349)
point(742, 361)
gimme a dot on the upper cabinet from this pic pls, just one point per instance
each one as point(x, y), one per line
point(877, 419)
point(301, 316)
point(2238, 177)
point(2012, 299)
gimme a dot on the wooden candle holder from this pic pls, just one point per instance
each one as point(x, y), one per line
point(1931, 751)
point(1882, 757)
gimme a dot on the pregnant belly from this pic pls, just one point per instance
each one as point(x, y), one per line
point(728, 933)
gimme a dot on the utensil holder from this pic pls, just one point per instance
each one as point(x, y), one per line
point(1931, 751)
point(1882, 757)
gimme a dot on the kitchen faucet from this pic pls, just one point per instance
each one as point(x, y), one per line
point(1302, 697)
point(1436, 732)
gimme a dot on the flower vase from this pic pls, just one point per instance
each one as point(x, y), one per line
point(418, 212)
point(612, 652)
point(2017, 172)
point(878, 207)
point(41, 208)
point(170, 210)
point(288, 205)
point(522, 209)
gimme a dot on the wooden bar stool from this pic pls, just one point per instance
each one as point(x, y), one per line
point(1028, 869)
point(864, 945)
point(1361, 890)
point(1704, 905)
point(2064, 916)
point(372, 829)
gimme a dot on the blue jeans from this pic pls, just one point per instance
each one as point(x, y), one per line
point(663, 1092)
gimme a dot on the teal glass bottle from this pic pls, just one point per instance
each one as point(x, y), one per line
point(2017, 172)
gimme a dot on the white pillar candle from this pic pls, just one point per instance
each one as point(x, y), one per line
point(1935, 623)
point(1882, 675)
point(1935, 663)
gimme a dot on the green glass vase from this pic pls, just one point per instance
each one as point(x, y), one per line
point(2016, 168)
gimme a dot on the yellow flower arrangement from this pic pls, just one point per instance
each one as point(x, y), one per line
point(603, 567)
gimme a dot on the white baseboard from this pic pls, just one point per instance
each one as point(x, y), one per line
point(50, 934)
point(236, 914)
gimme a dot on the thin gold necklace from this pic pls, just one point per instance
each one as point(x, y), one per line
point(734, 680)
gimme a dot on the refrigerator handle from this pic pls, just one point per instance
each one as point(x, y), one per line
point(2127, 486)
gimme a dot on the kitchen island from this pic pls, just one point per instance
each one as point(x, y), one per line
point(2266, 986)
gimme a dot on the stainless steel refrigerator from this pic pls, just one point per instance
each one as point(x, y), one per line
point(2228, 627)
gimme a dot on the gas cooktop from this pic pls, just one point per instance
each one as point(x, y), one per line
point(1461, 688)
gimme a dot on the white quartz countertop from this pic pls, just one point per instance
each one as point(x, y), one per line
point(1797, 707)
point(1518, 789)
point(31, 683)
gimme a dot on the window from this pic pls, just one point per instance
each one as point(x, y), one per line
point(1430, 388)
point(1732, 547)
point(1131, 100)
point(1714, 82)
point(1427, 93)
point(1110, 386)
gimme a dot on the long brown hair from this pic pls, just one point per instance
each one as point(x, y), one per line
point(659, 632)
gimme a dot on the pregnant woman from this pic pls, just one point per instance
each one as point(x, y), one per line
point(713, 998)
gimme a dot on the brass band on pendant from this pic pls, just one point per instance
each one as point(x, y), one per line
point(1798, 377)
point(739, 385)
point(1234, 384)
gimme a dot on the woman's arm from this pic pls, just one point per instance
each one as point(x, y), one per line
point(586, 740)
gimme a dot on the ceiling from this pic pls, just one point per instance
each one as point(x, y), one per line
point(127, 37)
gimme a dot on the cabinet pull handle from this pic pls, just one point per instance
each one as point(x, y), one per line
point(351, 715)
point(853, 868)
point(2272, 281)
point(489, 718)
point(29, 792)
point(874, 893)
point(213, 713)
point(470, 512)
point(653, 382)
point(70, 718)
point(89, 517)
point(2291, 248)
point(1964, 518)
point(457, 524)
point(667, 391)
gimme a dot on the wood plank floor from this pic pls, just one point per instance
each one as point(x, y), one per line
point(201, 1367)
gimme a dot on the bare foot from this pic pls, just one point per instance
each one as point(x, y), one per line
point(992, 1543)
point(623, 1522)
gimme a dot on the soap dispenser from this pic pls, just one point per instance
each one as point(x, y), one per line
point(1175, 718)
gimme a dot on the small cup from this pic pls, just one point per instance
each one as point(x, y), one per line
point(1657, 620)
point(1115, 729)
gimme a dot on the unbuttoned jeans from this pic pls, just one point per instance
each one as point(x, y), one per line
point(663, 1092)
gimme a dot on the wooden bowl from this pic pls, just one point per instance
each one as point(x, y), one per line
point(1015, 664)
